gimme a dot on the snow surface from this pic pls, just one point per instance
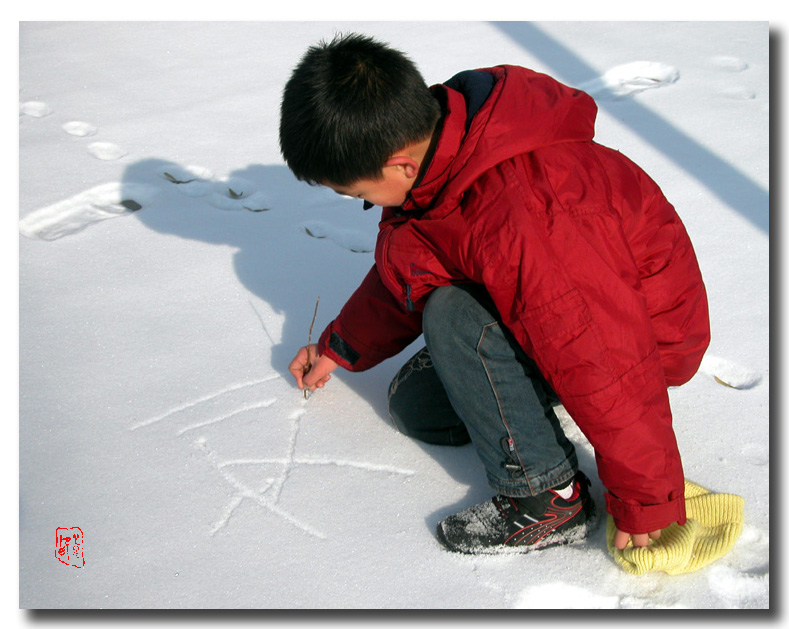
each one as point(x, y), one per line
point(155, 410)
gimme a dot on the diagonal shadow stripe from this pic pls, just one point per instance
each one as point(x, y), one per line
point(727, 183)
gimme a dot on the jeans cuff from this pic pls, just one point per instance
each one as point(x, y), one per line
point(535, 484)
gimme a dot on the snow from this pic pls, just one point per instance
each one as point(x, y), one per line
point(155, 409)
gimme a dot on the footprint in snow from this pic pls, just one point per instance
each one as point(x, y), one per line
point(107, 151)
point(74, 214)
point(734, 587)
point(729, 64)
point(226, 198)
point(352, 240)
point(732, 65)
point(738, 93)
point(729, 373)
point(80, 129)
point(229, 193)
point(35, 108)
point(236, 193)
point(99, 150)
point(630, 78)
point(756, 454)
point(191, 181)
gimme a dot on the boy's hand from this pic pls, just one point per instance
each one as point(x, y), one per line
point(311, 370)
point(621, 538)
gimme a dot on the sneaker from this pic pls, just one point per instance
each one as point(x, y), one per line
point(507, 524)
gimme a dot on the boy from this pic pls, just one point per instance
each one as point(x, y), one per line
point(541, 267)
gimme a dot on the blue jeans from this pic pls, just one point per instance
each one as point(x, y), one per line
point(473, 382)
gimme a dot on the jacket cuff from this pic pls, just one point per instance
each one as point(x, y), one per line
point(638, 519)
point(331, 344)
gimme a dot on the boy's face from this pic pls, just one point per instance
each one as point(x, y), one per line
point(390, 190)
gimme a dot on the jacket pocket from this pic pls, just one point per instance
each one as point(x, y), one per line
point(567, 345)
point(558, 317)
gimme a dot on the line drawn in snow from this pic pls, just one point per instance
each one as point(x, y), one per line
point(629, 79)
point(245, 492)
point(221, 418)
point(206, 398)
point(267, 495)
point(262, 323)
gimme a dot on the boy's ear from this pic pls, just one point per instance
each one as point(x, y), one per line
point(409, 165)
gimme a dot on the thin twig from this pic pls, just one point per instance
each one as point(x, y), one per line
point(308, 366)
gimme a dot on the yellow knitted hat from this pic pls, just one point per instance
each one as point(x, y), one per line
point(714, 523)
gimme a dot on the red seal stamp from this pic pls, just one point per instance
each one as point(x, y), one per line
point(68, 546)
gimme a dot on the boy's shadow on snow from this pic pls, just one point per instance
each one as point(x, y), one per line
point(261, 212)
point(249, 211)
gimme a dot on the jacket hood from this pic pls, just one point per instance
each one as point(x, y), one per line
point(492, 115)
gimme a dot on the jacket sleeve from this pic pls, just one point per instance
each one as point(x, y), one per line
point(370, 328)
point(672, 283)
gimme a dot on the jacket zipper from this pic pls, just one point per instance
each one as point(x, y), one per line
point(409, 305)
point(384, 236)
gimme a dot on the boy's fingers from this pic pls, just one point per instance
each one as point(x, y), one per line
point(620, 539)
point(318, 375)
point(298, 367)
point(296, 372)
point(320, 384)
point(320, 372)
point(639, 539)
point(310, 369)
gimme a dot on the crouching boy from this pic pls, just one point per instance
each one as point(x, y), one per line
point(542, 268)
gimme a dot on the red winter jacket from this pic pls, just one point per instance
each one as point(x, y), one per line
point(588, 264)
